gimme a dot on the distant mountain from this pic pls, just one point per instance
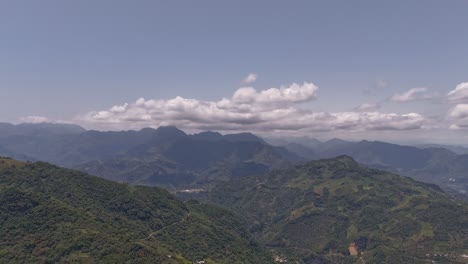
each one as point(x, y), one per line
point(434, 165)
point(337, 211)
point(457, 149)
point(170, 158)
point(165, 156)
point(4, 152)
point(188, 159)
point(53, 215)
point(304, 141)
point(302, 151)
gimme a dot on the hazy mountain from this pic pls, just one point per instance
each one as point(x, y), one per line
point(165, 156)
point(326, 210)
point(169, 157)
point(457, 149)
point(53, 215)
point(304, 141)
point(4, 152)
point(187, 159)
point(303, 151)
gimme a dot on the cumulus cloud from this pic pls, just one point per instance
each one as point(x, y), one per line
point(410, 95)
point(295, 93)
point(367, 107)
point(460, 93)
point(251, 78)
point(249, 110)
point(459, 115)
point(35, 119)
point(459, 111)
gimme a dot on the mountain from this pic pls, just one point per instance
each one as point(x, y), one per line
point(190, 159)
point(4, 152)
point(433, 165)
point(165, 156)
point(338, 211)
point(304, 141)
point(54, 215)
point(457, 149)
point(168, 157)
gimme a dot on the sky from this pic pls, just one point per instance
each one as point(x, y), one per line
point(387, 70)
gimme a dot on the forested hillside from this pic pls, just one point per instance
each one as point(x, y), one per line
point(53, 215)
point(337, 211)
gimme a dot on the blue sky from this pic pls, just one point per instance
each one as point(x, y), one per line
point(68, 60)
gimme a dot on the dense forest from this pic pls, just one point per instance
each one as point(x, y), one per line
point(53, 215)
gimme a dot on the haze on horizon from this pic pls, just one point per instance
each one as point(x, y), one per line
point(393, 71)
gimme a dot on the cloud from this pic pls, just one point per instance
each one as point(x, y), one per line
point(295, 93)
point(35, 119)
point(410, 95)
point(367, 107)
point(249, 79)
point(273, 109)
point(460, 93)
point(459, 115)
point(460, 111)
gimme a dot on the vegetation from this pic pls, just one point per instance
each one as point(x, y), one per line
point(319, 210)
point(53, 215)
point(433, 165)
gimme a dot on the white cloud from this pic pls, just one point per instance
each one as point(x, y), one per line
point(459, 115)
point(367, 107)
point(459, 93)
point(251, 78)
point(295, 93)
point(459, 111)
point(268, 110)
point(35, 119)
point(410, 95)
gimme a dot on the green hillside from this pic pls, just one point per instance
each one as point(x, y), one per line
point(53, 215)
point(325, 211)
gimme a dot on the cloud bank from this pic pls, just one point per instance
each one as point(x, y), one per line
point(248, 109)
point(35, 119)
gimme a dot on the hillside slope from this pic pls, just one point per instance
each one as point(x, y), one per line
point(53, 215)
point(325, 211)
point(433, 165)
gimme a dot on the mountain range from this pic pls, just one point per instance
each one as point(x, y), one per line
point(165, 156)
point(240, 199)
point(170, 158)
